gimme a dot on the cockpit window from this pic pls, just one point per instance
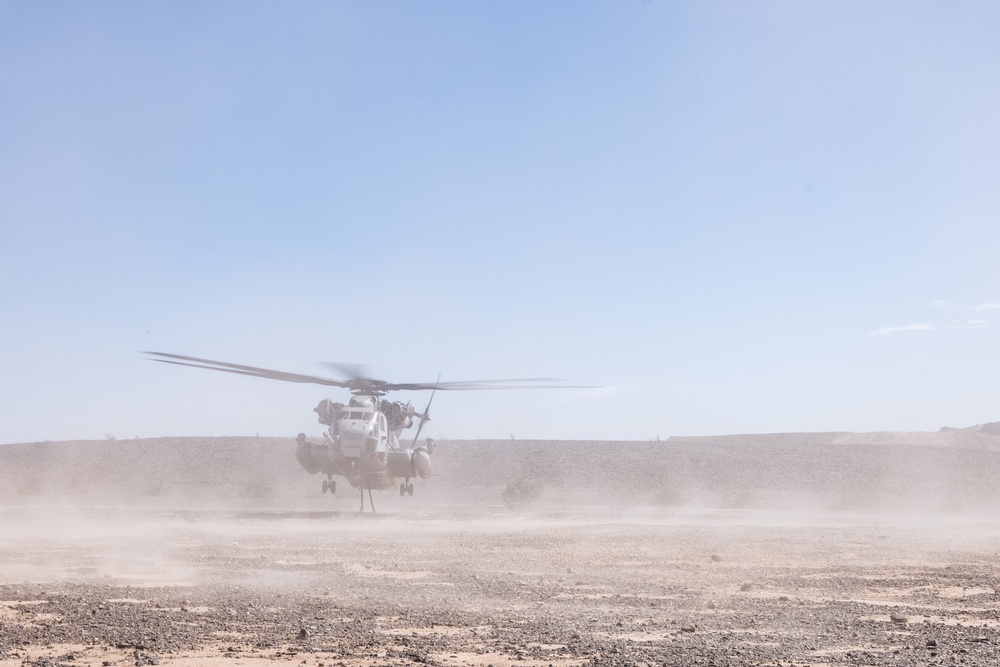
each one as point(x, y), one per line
point(356, 414)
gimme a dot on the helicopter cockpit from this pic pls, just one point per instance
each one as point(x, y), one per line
point(357, 415)
point(361, 430)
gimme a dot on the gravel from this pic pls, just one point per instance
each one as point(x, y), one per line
point(531, 590)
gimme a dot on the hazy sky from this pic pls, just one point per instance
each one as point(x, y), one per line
point(734, 217)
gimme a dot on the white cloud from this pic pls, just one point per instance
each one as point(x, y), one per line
point(906, 327)
point(938, 303)
point(989, 305)
point(970, 324)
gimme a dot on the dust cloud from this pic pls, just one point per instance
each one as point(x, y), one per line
point(817, 549)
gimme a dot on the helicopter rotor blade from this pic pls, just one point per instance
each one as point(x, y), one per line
point(357, 382)
point(240, 369)
point(359, 379)
point(425, 416)
point(357, 375)
point(479, 385)
point(351, 371)
point(419, 429)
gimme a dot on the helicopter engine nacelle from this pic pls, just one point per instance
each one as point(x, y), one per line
point(421, 462)
point(326, 411)
point(399, 415)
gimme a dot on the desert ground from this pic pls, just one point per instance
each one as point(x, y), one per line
point(693, 553)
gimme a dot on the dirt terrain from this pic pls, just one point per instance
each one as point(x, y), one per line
point(135, 569)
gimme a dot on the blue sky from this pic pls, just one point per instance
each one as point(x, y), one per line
point(734, 217)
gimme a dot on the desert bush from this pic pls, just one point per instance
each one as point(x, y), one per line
point(521, 492)
point(257, 488)
point(741, 499)
point(156, 489)
point(669, 497)
point(30, 487)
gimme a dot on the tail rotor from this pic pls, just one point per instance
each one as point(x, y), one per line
point(424, 416)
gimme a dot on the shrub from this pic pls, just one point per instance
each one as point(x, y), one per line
point(669, 496)
point(257, 488)
point(521, 492)
point(156, 489)
point(31, 487)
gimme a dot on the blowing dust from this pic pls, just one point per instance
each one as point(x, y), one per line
point(517, 553)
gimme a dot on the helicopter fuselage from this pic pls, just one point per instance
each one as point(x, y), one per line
point(363, 444)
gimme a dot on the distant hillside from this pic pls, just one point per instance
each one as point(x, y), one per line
point(954, 469)
point(981, 436)
point(145, 466)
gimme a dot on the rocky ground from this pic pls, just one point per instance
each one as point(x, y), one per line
point(552, 586)
point(804, 549)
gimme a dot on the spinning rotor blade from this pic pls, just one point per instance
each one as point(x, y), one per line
point(356, 381)
point(240, 369)
point(465, 385)
point(352, 371)
point(357, 378)
point(492, 385)
point(425, 416)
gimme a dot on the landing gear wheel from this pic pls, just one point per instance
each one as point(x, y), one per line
point(333, 487)
point(402, 490)
point(409, 489)
point(326, 485)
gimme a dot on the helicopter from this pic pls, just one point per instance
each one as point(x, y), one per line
point(363, 441)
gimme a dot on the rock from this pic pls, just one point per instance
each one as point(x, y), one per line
point(687, 628)
point(932, 643)
point(899, 618)
point(303, 633)
point(746, 587)
point(980, 639)
point(717, 559)
point(710, 605)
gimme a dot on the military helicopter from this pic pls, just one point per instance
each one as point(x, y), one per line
point(363, 442)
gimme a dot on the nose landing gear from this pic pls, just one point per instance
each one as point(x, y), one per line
point(405, 488)
point(329, 485)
